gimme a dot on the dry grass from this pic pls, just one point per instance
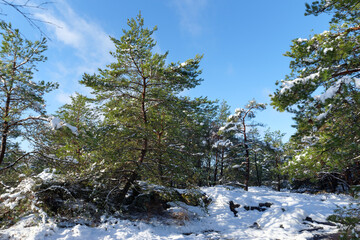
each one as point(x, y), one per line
point(180, 217)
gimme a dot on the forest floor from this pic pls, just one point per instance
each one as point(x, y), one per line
point(290, 216)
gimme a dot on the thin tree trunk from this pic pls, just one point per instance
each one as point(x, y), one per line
point(247, 171)
point(209, 171)
point(278, 175)
point(257, 171)
point(159, 161)
point(216, 167)
point(222, 164)
point(247, 157)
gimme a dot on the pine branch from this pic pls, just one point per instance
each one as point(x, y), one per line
point(346, 72)
point(15, 162)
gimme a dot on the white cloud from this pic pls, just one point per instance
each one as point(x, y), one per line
point(190, 12)
point(83, 44)
point(90, 42)
point(62, 31)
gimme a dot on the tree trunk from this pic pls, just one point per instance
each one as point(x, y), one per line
point(222, 164)
point(161, 171)
point(160, 161)
point(5, 129)
point(3, 142)
point(144, 149)
point(247, 171)
point(257, 171)
point(247, 156)
point(278, 175)
point(216, 167)
point(209, 171)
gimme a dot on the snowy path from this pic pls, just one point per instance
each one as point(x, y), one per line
point(283, 220)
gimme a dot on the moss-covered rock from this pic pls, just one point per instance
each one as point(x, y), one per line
point(195, 197)
point(154, 199)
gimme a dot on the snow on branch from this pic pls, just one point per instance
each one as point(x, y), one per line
point(287, 85)
point(57, 123)
point(332, 90)
point(324, 114)
point(222, 143)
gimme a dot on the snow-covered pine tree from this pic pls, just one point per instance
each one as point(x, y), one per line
point(323, 90)
point(239, 124)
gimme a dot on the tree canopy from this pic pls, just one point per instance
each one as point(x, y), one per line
point(323, 91)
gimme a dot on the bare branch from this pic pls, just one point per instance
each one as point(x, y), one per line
point(21, 9)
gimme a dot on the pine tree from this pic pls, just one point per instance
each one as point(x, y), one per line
point(218, 140)
point(238, 123)
point(62, 149)
point(273, 141)
point(140, 98)
point(327, 63)
point(20, 95)
point(258, 155)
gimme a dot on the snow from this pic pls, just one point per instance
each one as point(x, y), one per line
point(324, 115)
point(46, 175)
point(283, 220)
point(72, 128)
point(300, 40)
point(357, 82)
point(236, 166)
point(287, 85)
point(328, 49)
point(183, 64)
point(308, 60)
point(222, 143)
point(327, 3)
point(57, 123)
point(332, 90)
point(222, 128)
point(326, 32)
point(14, 195)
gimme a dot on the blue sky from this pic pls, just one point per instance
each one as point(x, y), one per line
point(242, 42)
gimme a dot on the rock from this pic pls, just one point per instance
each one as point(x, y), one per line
point(266, 204)
point(155, 200)
point(150, 202)
point(261, 207)
point(255, 225)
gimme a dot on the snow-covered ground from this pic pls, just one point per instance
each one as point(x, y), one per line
point(283, 220)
